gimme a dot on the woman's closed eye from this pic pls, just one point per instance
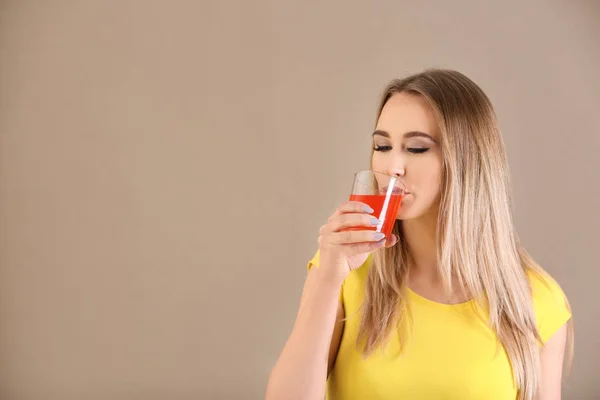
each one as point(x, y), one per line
point(417, 150)
point(413, 150)
point(381, 148)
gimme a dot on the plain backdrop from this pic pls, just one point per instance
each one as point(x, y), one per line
point(165, 167)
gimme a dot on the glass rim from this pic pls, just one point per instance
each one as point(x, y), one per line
point(398, 180)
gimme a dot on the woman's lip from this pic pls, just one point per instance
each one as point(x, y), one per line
point(397, 191)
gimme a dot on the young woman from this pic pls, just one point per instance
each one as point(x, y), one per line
point(450, 306)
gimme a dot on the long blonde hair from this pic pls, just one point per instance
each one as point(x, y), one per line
point(476, 240)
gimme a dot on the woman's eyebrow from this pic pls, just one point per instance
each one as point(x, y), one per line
point(407, 135)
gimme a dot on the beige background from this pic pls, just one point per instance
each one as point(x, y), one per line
point(165, 167)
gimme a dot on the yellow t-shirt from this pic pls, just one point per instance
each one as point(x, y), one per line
point(451, 354)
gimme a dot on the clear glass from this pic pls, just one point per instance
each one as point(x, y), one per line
point(383, 193)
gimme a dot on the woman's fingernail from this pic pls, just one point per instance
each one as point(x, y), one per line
point(374, 221)
point(378, 235)
point(368, 209)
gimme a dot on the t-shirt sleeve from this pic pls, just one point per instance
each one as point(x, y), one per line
point(550, 304)
point(315, 262)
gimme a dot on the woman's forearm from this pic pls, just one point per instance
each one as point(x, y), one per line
point(301, 370)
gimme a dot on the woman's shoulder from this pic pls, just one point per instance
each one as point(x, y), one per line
point(359, 273)
point(354, 281)
point(550, 303)
point(544, 288)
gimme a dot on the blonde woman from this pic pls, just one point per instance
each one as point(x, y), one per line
point(450, 306)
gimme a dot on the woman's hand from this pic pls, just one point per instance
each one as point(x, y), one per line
point(348, 237)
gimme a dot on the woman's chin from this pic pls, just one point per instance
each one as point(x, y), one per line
point(404, 212)
point(408, 211)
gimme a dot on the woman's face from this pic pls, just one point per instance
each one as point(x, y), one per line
point(406, 143)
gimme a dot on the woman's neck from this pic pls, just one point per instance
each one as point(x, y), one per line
point(424, 277)
point(421, 238)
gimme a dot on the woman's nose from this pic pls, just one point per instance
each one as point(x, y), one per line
point(397, 165)
point(397, 171)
